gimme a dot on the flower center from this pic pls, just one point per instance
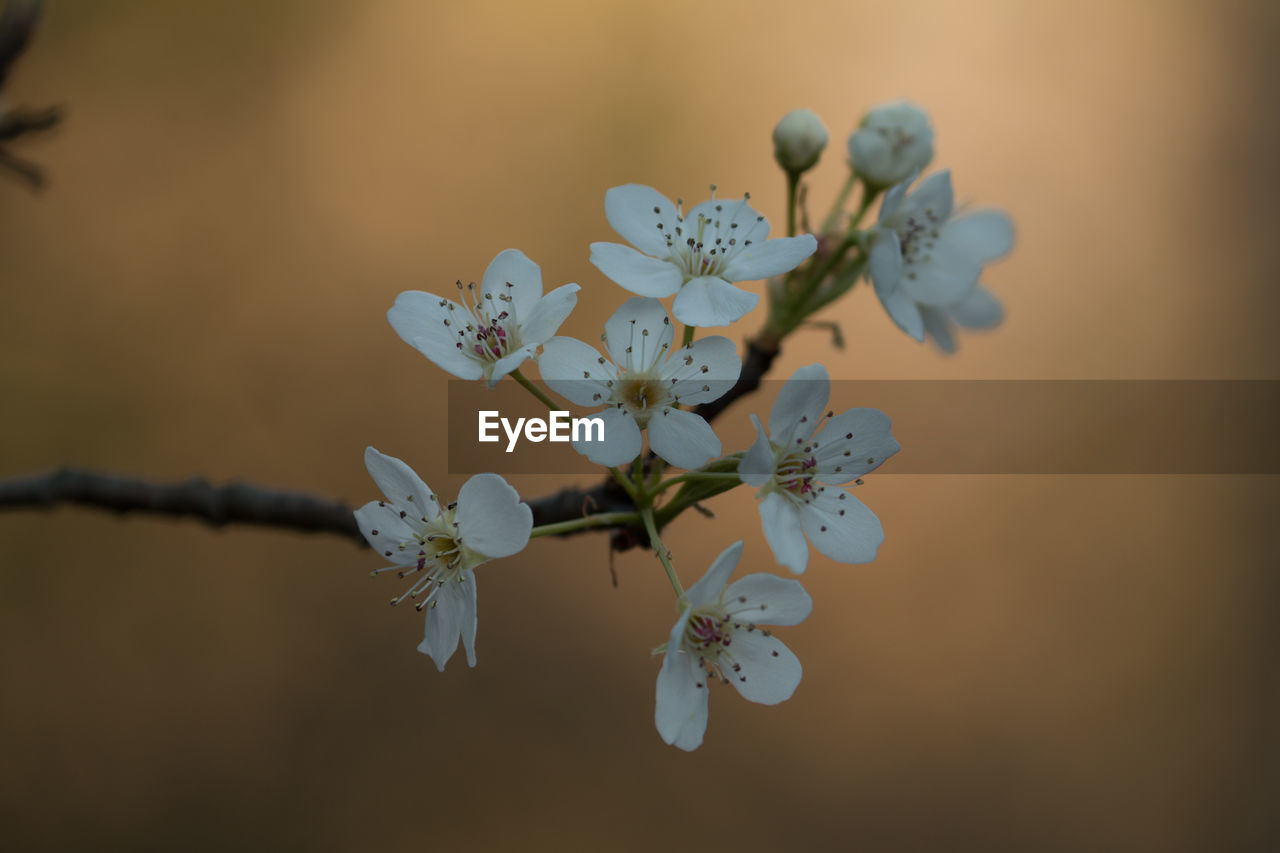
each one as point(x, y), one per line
point(490, 330)
point(705, 246)
point(641, 394)
point(708, 633)
point(434, 551)
point(917, 236)
point(795, 473)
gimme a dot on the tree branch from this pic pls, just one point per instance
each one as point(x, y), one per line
point(244, 503)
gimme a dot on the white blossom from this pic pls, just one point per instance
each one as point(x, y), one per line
point(893, 142)
point(981, 310)
point(923, 257)
point(440, 546)
point(798, 140)
point(640, 384)
point(719, 636)
point(486, 334)
point(696, 256)
point(797, 465)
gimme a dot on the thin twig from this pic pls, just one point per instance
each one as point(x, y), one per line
point(244, 503)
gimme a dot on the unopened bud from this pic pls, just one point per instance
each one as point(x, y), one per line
point(893, 142)
point(798, 140)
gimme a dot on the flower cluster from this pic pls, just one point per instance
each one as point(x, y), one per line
point(655, 395)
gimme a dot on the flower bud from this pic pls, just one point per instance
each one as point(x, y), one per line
point(893, 142)
point(798, 140)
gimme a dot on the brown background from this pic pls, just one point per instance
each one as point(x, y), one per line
point(241, 190)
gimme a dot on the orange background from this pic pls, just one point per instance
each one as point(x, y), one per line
point(240, 191)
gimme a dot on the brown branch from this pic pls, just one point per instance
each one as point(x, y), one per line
point(243, 503)
point(233, 503)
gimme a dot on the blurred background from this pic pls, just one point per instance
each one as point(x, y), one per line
point(242, 188)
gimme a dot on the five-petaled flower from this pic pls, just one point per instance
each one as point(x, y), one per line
point(697, 255)
point(490, 333)
point(795, 471)
point(440, 545)
point(718, 635)
point(922, 258)
point(642, 385)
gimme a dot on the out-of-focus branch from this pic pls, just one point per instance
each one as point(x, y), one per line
point(243, 503)
point(233, 503)
point(17, 23)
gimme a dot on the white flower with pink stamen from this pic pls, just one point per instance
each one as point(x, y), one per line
point(718, 636)
point(439, 546)
point(797, 463)
point(489, 332)
point(695, 256)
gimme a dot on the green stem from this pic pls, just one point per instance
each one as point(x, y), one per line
point(603, 519)
point(646, 515)
point(837, 207)
point(533, 389)
point(692, 476)
point(793, 187)
point(868, 198)
point(625, 482)
point(689, 332)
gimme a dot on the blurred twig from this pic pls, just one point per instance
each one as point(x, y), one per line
point(17, 23)
point(243, 503)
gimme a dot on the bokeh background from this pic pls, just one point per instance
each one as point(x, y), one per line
point(242, 188)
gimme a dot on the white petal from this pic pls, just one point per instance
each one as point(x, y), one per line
point(937, 325)
point(985, 234)
point(884, 261)
point(470, 620)
point(893, 198)
point(771, 258)
point(401, 484)
point(841, 527)
point(856, 442)
point(800, 405)
point(944, 276)
point(680, 712)
point(621, 439)
point(510, 362)
point(712, 301)
point(446, 619)
point(682, 438)
point(576, 371)
point(903, 310)
point(781, 523)
point(548, 313)
point(709, 586)
point(636, 272)
point(638, 333)
point(703, 371)
point(769, 673)
point(491, 518)
point(636, 212)
point(728, 219)
point(419, 319)
point(512, 274)
point(385, 532)
point(758, 465)
point(980, 311)
point(933, 195)
point(768, 600)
